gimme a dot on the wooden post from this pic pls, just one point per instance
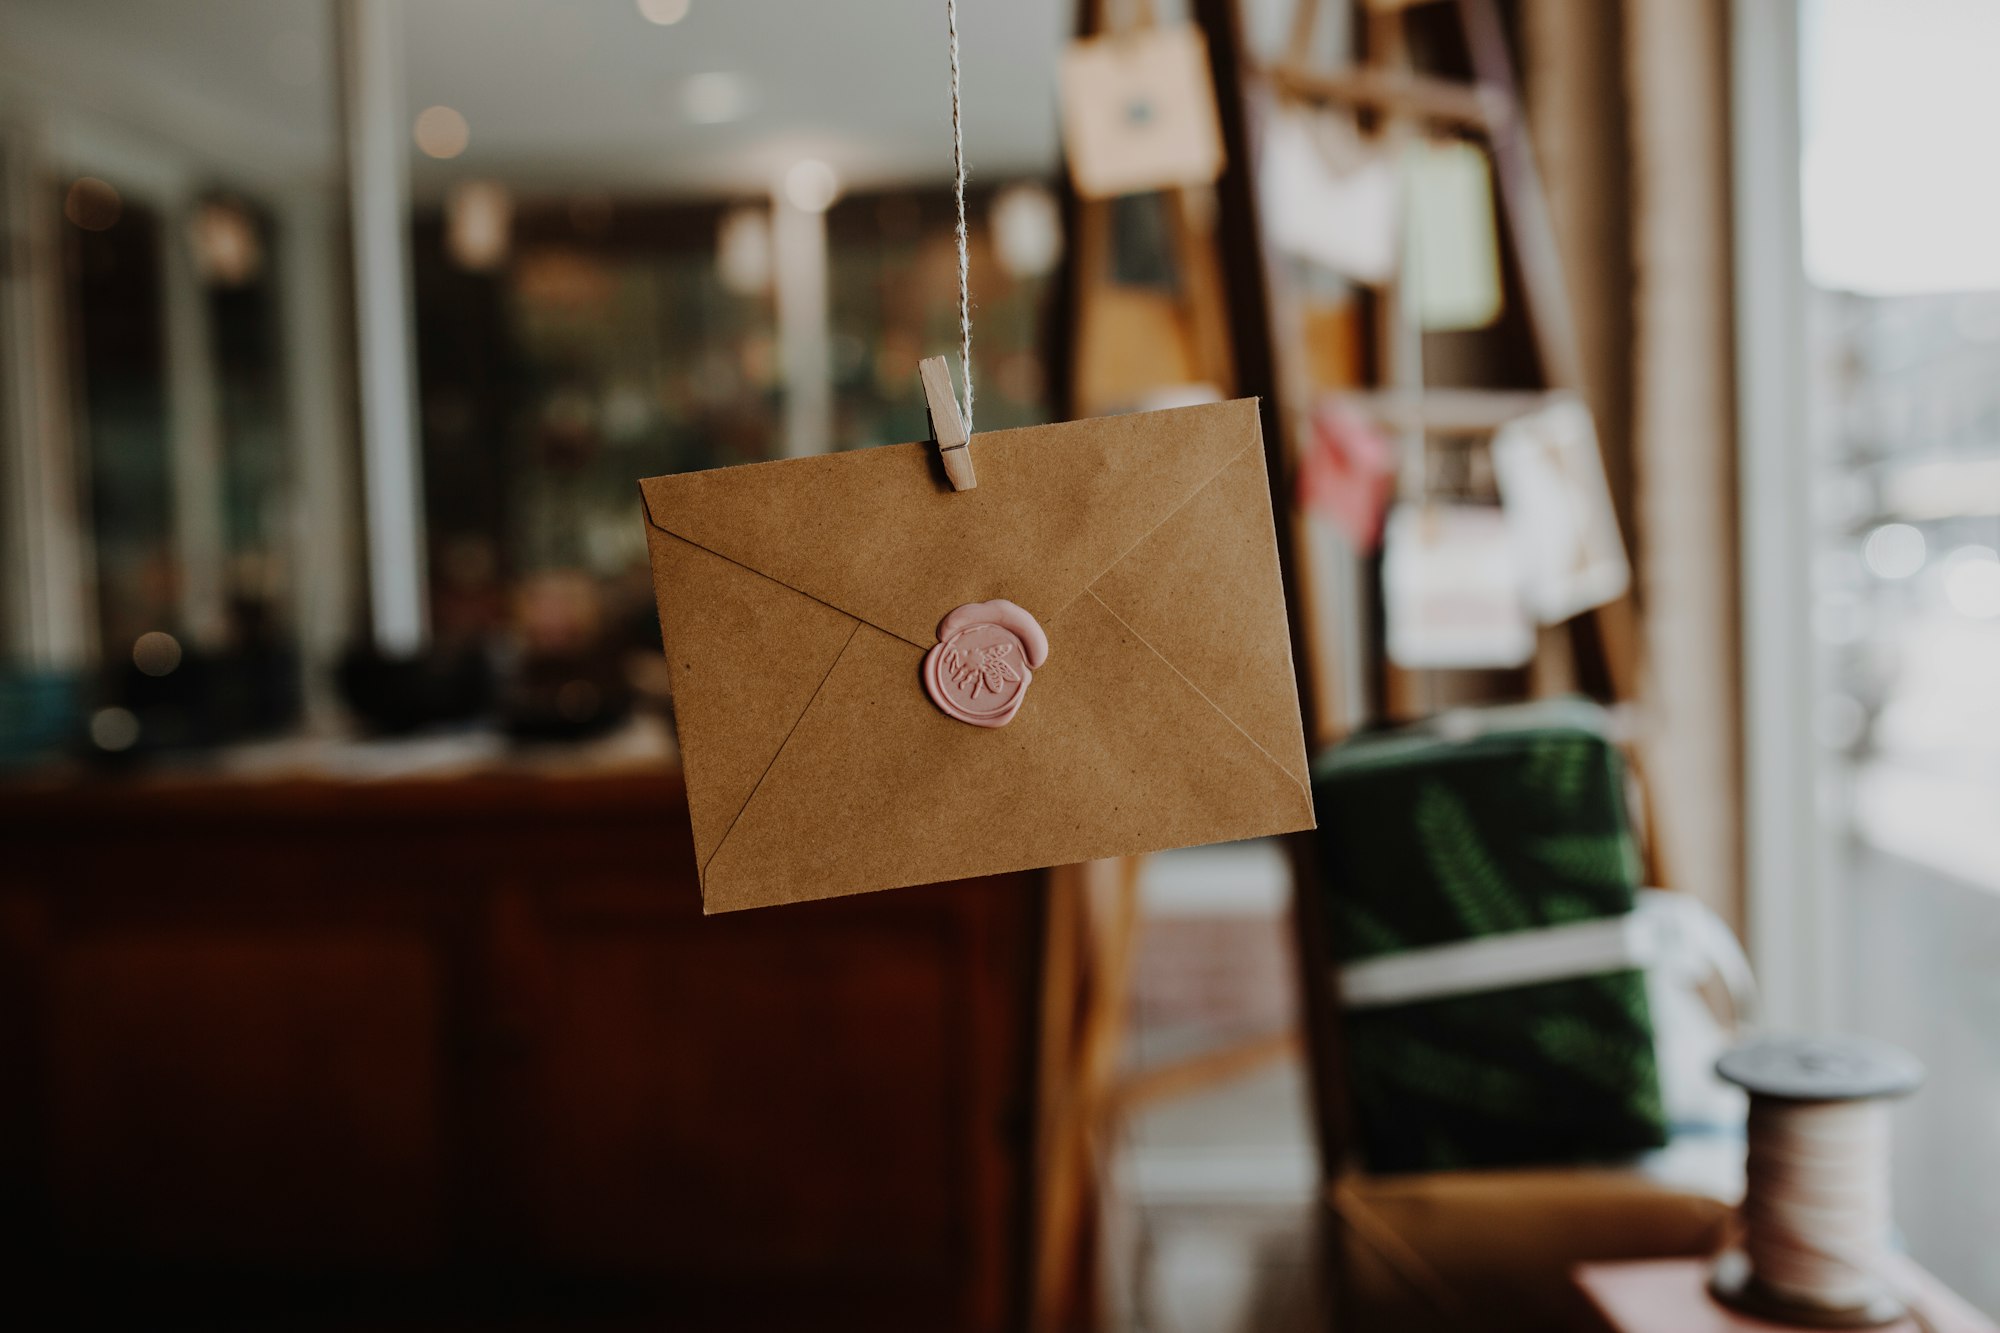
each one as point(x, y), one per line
point(371, 46)
point(49, 553)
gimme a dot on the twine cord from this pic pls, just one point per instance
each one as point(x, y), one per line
point(964, 250)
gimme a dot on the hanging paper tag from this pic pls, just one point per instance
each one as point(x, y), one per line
point(1454, 245)
point(1330, 196)
point(1138, 112)
point(1348, 473)
point(1558, 505)
point(1451, 589)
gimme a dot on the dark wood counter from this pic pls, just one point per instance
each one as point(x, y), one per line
point(465, 1052)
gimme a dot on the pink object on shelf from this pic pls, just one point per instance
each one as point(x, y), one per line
point(983, 662)
point(1348, 473)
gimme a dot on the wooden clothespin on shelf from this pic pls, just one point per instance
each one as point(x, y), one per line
point(947, 426)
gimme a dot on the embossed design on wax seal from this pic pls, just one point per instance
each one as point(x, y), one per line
point(984, 661)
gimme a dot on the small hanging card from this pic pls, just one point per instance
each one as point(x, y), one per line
point(1348, 473)
point(879, 681)
point(1559, 509)
point(1138, 112)
point(1451, 589)
point(1454, 243)
point(1331, 196)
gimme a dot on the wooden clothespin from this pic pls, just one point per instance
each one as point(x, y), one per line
point(947, 426)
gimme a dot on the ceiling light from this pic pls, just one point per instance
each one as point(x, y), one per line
point(711, 99)
point(811, 186)
point(666, 13)
point(442, 132)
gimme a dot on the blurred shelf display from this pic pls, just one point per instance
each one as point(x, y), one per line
point(610, 337)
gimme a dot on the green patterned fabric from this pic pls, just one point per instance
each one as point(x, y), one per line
point(1477, 824)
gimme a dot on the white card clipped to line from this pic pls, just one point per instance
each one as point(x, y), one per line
point(1331, 196)
point(1138, 112)
point(1559, 510)
point(1454, 241)
point(1452, 590)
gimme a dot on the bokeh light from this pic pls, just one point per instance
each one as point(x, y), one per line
point(666, 13)
point(93, 204)
point(1894, 551)
point(479, 220)
point(156, 653)
point(743, 251)
point(114, 729)
point(227, 249)
point(442, 132)
point(1027, 230)
point(811, 186)
point(1972, 582)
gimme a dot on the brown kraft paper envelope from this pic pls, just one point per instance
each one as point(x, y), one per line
point(798, 598)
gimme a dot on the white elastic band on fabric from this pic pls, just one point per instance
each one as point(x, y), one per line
point(1663, 928)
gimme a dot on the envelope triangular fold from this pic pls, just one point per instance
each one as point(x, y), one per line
point(747, 655)
point(1117, 752)
point(879, 534)
point(1203, 588)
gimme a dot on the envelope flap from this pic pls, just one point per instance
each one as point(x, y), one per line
point(879, 534)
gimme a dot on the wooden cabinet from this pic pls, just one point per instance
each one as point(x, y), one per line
point(430, 1053)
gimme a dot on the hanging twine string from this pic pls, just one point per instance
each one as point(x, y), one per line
point(964, 251)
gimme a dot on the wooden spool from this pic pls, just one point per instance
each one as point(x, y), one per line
point(1808, 1070)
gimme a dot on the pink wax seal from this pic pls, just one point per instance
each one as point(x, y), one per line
point(985, 657)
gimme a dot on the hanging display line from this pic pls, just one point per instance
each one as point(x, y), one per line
point(964, 247)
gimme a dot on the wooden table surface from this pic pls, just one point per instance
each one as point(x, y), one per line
point(447, 1052)
point(1671, 1296)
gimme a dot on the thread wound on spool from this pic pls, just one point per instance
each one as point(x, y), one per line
point(1816, 1208)
point(1816, 1219)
